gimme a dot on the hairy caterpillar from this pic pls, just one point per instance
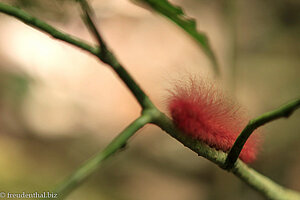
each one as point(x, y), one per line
point(204, 112)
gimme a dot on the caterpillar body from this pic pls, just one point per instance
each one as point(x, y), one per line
point(204, 112)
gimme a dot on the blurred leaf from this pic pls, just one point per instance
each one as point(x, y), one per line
point(58, 10)
point(14, 86)
point(176, 14)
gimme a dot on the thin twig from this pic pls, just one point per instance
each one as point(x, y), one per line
point(149, 114)
point(108, 57)
point(257, 181)
point(46, 28)
point(283, 111)
point(92, 164)
point(89, 19)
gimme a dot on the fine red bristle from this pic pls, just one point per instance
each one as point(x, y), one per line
point(203, 112)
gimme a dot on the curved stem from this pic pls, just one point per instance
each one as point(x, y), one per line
point(263, 184)
point(283, 111)
point(105, 56)
point(150, 114)
point(93, 163)
point(257, 181)
point(89, 21)
point(46, 28)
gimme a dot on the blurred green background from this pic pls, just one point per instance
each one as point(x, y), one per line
point(59, 106)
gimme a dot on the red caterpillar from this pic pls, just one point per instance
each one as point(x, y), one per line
point(203, 112)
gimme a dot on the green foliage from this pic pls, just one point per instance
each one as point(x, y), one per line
point(151, 114)
point(176, 14)
point(14, 87)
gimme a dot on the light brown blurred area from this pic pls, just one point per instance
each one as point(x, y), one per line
point(59, 105)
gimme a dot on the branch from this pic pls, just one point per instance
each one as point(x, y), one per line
point(106, 57)
point(46, 28)
point(89, 20)
point(92, 164)
point(283, 111)
point(257, 181)
point(149, 114)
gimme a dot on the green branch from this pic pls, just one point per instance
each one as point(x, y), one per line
point(89, 21)
point(149, 114)
point(263, 184)
point(106, 57)
point(44, 27)
point(92, 164)
point(283, 111)
point(257, 181)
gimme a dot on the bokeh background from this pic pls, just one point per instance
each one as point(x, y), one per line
point(59, 105)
